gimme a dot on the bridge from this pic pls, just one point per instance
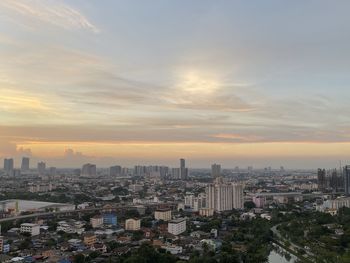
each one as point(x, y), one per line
point(90, 209)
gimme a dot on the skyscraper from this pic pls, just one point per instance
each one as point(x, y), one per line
point(8, 165)
point(88, 170)
point(215, 170)
point(183, 170)
point(347, 179)
point(321, 179)
point(25, 164)
point(182, 163)
point(53, 171)
point(41, 168)
point(115, 170)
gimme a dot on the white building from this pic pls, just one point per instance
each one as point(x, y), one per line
point(71, 226)
point(206, 212)
point(133, 224)
point(224, 197)
point(177, 226)
point(32, 229)
point(96, 221)
point(174, 250)
point(195, 203)
point(334, 205)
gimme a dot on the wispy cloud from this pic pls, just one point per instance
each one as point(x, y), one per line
point(49, 12)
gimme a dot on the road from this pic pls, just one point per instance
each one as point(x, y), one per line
point(294, 247)
point(58, 213)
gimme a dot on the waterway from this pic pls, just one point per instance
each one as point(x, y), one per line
point(279, 255)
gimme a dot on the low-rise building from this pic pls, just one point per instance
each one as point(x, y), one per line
point(32, 229)
point(206, 212)
point(1, 244)
point(163, 214)
point(177, 226)
point(96, 221)
point(110, 219)
point(132, 224)
point(71, 226)
point(174, 250)
point(89, 239)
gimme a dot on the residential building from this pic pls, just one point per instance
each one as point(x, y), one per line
point(88, 170)
point(177, 226)
point(115, 170)
point(25, 164)
point(183, 170)
point(216, 170)
point(109, 219)
point(32, 229)
point(53, 172)
point(8, 166)
point(163, 214)
point(133, 224)
point(41, 168)
point(259, 201)
point(206, 212)
point(224, 197)
point(347, 179)
point(89, 239)
point(1, 244)
point(96, 221)
point(195, 203)
point(321, 179)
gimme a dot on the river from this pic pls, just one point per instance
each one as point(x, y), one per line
point(279, 255)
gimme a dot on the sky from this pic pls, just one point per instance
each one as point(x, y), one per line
point(262, 83)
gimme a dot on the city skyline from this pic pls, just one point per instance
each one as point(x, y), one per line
point(237, 83)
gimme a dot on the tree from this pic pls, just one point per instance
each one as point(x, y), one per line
point(249, 205)
point(79, 258)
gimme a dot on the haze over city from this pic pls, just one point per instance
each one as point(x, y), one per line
point(261, 83)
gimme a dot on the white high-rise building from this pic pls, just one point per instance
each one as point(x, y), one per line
point(224, 197)
point(238, 196)
point(195, 203)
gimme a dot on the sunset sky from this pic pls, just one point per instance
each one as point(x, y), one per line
point(262, 83)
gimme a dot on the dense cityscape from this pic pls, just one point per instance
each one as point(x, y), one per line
point(168, 131)
point(121, 214)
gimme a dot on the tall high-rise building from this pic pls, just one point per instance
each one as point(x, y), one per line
point(347, 179)
point(53, 172)
point(183, 170)
point(8, 165)
point(224, 197)
point(88, 170)
point(115, 170)
point(139, 170)
point(215, 170)
point(41, 168)
point(175, 173)
point(182, 163)
point(321, 179)
point(25, 164)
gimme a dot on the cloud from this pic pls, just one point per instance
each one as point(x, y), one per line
point(49, 12)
